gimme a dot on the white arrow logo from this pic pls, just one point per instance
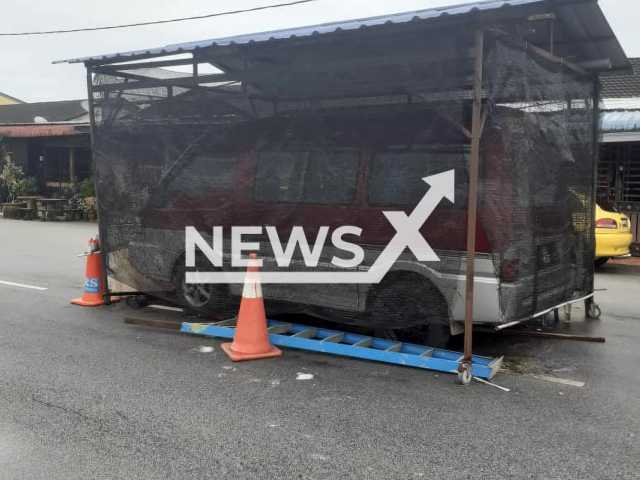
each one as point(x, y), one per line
point(408, 228)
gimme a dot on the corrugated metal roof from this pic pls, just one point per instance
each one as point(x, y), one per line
point(583, 32)
point(321, 29)
point(620, 122)
point(620, 104)
point(22, 131)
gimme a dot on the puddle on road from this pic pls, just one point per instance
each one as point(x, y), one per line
point(536, 368)
point(522, 365)
point(533, 365)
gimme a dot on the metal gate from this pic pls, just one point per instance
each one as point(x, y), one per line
point(619, 183)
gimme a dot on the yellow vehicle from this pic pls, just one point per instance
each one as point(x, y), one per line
point(613, 235)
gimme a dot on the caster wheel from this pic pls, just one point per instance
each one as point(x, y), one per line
point(594, 311)
point(464, 377)
point(136, 303)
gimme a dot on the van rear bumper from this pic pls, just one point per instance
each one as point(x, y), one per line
point(151, 261)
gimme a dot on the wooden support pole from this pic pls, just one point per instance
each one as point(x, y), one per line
point(476, 132)
point(150, 322)
point(72, 166)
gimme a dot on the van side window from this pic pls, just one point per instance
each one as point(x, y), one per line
point(196, 177)
point(311, 176)
point(204, 174)
point(278, 177)
point(395, 177)
point(331, 177)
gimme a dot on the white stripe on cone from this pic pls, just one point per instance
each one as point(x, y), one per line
point(252, 288)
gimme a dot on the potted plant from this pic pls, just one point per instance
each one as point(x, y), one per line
point(85, 200)
point(89, 208)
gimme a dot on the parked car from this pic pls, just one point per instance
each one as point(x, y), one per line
point(613, 235)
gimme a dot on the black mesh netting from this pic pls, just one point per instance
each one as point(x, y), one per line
point(314, 135)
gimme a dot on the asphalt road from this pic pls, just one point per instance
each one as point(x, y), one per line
point(84, 396)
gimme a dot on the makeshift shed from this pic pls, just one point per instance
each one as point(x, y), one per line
point(335, 125)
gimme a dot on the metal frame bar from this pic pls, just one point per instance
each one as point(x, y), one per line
point(476, 132)
point(541, 52)
point(140, 65)
point(92, 119)
point(594, 182)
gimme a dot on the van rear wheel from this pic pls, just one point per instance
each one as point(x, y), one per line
point(601, 261)
point(413, 308)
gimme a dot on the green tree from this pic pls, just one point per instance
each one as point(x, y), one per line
point(10, 174)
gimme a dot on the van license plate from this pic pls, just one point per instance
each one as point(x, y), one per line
point(545, 255)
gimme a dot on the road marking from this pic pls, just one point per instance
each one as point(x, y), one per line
point(22, 285)
point(504, 389)
point(561, 381)
point(165, 307)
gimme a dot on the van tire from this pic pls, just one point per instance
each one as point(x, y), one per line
point(203, 298)
point(419, 297)
point(601, 261)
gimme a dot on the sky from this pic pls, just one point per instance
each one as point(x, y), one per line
point(26, 71)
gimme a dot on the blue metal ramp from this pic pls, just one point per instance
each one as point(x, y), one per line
point(314, 339)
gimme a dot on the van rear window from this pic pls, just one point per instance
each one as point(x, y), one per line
point(311, 176)
point(395, 178)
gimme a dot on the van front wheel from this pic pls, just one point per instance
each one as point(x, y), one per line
point(413, 310)
point(198, 297)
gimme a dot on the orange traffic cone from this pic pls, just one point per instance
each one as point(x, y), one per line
point(93, 295)
point(251, 340)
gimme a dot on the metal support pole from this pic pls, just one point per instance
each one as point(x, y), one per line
point(476, 132)
point(552, 35)
point(594, 188)
point(92, 118)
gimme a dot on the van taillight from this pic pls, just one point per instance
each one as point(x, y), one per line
point(606, 223)
point(509, 271)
